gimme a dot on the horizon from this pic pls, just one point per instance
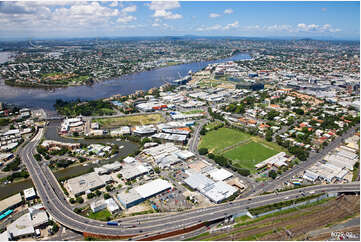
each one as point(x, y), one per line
point(24, 20)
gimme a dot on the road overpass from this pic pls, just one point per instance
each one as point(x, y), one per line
point(57, 206)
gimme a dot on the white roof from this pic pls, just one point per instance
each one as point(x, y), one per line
point(219, 191)
point(30, 192)
point(197, 180)
point(111, 205)
point(151, 188)
point(98, 204)
point(220, 174)
point(184, 154)
point(21, 227)
point(4, 236)
point(129, 159)
point(39, 218)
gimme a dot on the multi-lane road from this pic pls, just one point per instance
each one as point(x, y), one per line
point(56, 205)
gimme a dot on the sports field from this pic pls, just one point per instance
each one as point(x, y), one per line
point(217, 140)
point(243, 149)
point(248, 155)
point(130, 120)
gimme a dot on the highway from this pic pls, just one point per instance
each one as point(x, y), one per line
point(56, 205)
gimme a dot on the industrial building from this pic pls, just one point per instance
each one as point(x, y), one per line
point(130, 198)
point(214, 191)
point(88, 182)
point(11, 202)
point(98, 205)
point(133, 170)
point(143, 192)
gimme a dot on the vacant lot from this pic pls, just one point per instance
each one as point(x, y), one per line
point(130, 120)
point(217, 140)
point(101, 215)
point(248, 155)
point(286, 225)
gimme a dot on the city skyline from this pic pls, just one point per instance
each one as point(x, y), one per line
point(69, 19)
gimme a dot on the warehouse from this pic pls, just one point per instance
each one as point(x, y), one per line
point(130, 198)
point(153, 188)
point(98, 205)
point(21, 227)
point(218, 191)
point(10, 202)
point(220, 174)
point(134, 170)
point(112, 206)
point(214, 191)
point(81, 184)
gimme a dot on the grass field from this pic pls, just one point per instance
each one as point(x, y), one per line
point(243, 149)
point(217, 140)
point(249, 154)
point(130, 120)
point(101, 215)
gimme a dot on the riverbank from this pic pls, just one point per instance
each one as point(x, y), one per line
point(124, 85)
point(30, 84)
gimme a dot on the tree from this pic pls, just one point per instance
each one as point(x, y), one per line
point(203, 151)
point(72, 200)
point(37, 157)
point(243, 171)
point(106, 196)
point(79, 200)
point(269, 135)
point(157, 169)
point(272, 174)
point(98, 193)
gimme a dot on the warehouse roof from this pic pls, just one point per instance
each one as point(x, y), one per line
point(129, 197)
point(151, 188)
point(219, 191)
point(10, 201)
point(21, 227)
point(197, 180)
point(85, 182)
point(220, 174)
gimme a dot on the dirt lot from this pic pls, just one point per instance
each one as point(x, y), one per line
point(287, 226)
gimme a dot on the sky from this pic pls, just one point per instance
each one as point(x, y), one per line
point(68, 19)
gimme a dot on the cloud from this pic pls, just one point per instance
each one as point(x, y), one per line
point(219, 27)
point(214, 27)
point(126, 19)
point(115, 4)
point(162, 9)
point(231, 26)
point(299, 28)
point(228, 11)
point(214, 15)
point(129, 9)
point(316, 28)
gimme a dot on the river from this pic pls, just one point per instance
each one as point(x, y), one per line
point(126, 84)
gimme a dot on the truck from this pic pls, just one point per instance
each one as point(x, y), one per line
point(112, 223)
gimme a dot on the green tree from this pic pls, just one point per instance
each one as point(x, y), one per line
point(272, 174)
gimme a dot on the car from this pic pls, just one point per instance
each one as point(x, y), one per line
point(286, 198)
point(102, 225)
